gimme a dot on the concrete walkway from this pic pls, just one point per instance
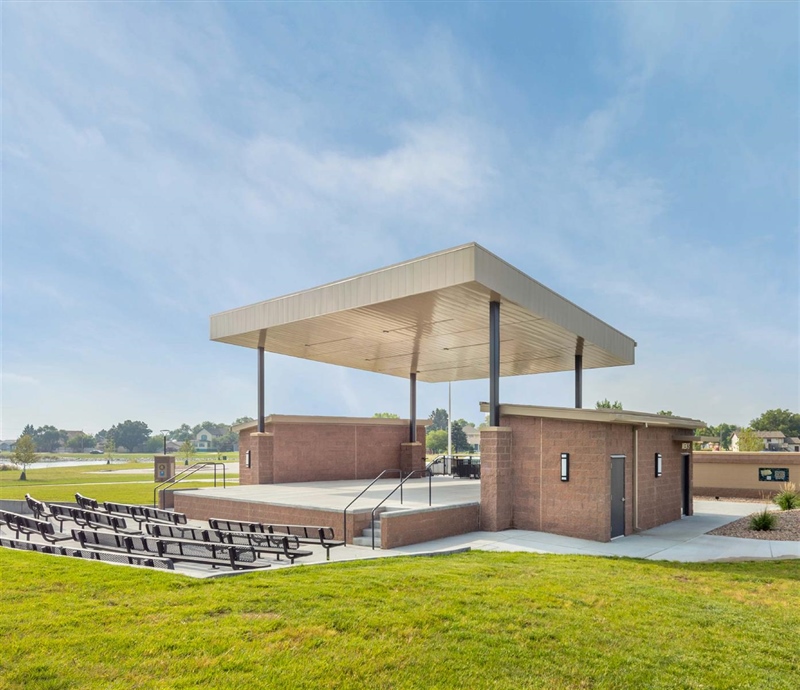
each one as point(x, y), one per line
point(683, 540)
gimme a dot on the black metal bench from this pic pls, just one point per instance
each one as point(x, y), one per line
point(309, 534)
point(305, 534)
point(38, 508)
point(90, 519)
point(263, 543)
point(91, 554)
point(207, 553)
point(144, 513)
point(86, 503)
point(28, 526)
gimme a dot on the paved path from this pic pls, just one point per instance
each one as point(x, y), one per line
point(683, 540)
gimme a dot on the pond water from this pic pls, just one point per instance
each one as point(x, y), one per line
point(44, 464)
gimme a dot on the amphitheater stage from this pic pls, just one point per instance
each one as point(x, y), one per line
point(454, 507)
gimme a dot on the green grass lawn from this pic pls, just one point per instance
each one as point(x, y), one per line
point(475, 620)
point(121, 482)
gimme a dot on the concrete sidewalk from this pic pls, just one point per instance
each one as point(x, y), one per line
point(683, 540)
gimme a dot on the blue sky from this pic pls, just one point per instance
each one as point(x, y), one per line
point(163, 162)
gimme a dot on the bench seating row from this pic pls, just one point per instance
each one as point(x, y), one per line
point(139, 513)
point(90, 554)
point(28, 525)
point(272, 544)
point(207, 553)
point(305, 534)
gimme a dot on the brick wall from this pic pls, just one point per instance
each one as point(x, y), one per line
point(314, 450)
point(402, 527)
point(735, 475)
point(581, 507)
point(199, 507)
point(497, 479)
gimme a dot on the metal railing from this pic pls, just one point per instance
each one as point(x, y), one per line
point(425, 472)
point(185, 474)
point(344, 513)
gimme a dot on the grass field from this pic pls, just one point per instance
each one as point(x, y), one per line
point(121, 483)
point(476, 620)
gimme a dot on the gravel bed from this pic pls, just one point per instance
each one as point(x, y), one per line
point(788, 528)
point(728, 499)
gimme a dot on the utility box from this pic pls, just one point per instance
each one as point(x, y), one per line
point(163, 468)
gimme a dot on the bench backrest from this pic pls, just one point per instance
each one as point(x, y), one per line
point(235, 525)
point(86, 503)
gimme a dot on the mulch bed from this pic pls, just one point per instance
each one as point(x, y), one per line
point(787, 529)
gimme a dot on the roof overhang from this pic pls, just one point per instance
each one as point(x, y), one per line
point(606, 416)
point(306, 419)
point(430, 316)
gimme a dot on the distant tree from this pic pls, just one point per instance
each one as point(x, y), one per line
point(485, 422)
point(28, 431)
point(664, 413)
point(439, 419)
point(47, 439)
point(215, 428)
point(182, 433)
point(80, 441)
point(749, 442)
point(725, 431)
point(459, 438)
point(100, 438)
point(187, 451)
point(110, 448)
point(244, 420)
point(154, 444)
point(606, 404)
point(788, 423)
point(25, 454)
point(436, 441)
point(226, 442)
point(130, 434)
point(386, 415)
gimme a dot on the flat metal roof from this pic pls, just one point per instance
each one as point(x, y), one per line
point(605, 415)
point(430, 316)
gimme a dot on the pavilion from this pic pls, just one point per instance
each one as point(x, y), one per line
point(455, 315)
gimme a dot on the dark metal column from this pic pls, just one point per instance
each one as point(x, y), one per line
point(261, 390)
point(412, 435)
point(494, 363)
point(578, 381)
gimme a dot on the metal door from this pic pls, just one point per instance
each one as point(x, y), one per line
point(685, 486)
point(617, 495)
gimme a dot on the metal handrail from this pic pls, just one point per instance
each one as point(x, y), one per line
point(400, 486)
point(344, 513)
point(188, 472)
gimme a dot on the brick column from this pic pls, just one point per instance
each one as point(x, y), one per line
point(412, 457)
point(497, 488)
point(261, 458)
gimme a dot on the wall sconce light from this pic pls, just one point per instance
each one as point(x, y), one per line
point(658, 464)
point(247, 459)
point(564, 467)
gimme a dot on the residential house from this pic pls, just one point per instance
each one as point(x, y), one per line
point(473, 437)
point(204, 440)
point(792, 444)
point(773, 440)
point(8, 445)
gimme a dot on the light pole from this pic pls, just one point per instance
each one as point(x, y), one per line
point(164, 433)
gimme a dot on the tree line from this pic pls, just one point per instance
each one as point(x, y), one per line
point(133, 436)
point(784, 421)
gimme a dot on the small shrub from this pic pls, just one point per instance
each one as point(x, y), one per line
point(787, 498)
point(763, 521)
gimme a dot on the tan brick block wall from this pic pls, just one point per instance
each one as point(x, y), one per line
point(318, 451)
point(497, 480)
point(580, 507)
point(735, 475)
point(198, 507)
point(399, 528)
